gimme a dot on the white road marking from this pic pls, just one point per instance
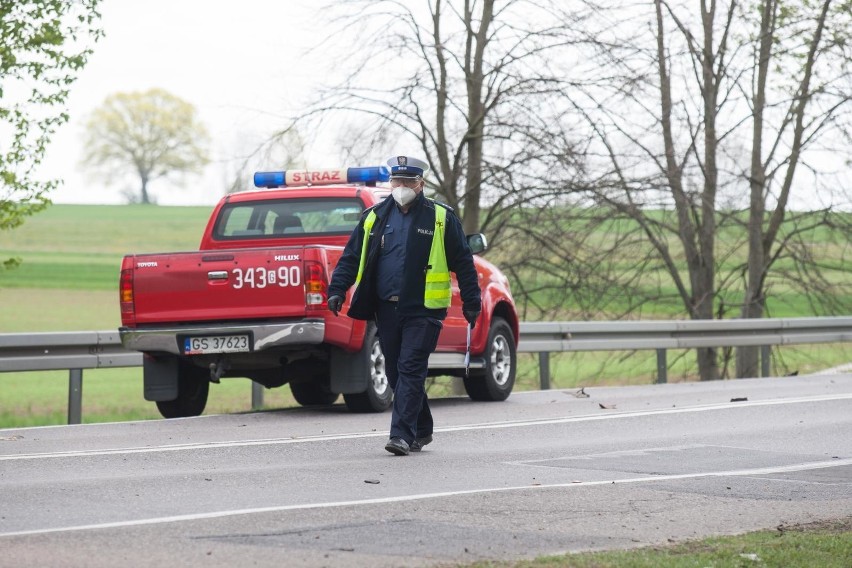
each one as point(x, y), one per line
point(805, 482)
point(475, 426)
point(423, 496)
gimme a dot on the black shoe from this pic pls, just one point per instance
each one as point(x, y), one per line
point(418, 444)
point(397, 446)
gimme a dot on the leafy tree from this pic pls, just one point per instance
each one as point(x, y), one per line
point(153, 134)
point(44, 44)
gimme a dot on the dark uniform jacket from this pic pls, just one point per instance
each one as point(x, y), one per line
point(418, 245)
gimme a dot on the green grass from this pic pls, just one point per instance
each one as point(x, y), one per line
point(49, 309)
point(79, 247)
point(600, 368)
point(600, 283)
point(113, 229)
point(784, 303)
point(823, 545)
point(63, 271)
point(109, 395)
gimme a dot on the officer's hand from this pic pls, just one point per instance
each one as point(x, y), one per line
point(335, 303)
point(470, 316)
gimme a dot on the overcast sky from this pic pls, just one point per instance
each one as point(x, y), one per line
point(242, 64)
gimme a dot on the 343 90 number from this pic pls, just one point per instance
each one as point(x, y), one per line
point(260, 277)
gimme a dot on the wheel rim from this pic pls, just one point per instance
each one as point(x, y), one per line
point(501, 360)
point(378, 373)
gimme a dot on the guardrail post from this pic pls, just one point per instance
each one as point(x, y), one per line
point(544, 370)
point(662, 367)
point(764, 360)
point(75, 396)
point(256, 396)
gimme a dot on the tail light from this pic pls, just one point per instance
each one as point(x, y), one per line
point(316, 286)
point(125, 290)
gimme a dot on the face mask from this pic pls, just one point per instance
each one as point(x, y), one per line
point(403, 195)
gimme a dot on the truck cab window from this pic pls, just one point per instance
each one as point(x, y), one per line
point(274, 219)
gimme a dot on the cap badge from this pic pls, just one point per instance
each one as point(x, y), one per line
point(402, 160)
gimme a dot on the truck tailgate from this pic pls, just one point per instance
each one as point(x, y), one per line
point(220, 285)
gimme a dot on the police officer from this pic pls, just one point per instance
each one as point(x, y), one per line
point(399, 257)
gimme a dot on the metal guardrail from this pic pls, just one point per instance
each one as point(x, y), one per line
point(547, 337)
point(72, 350)
point(64, 350)
point(78, 350)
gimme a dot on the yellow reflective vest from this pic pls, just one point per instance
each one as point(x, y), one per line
point(438, 293)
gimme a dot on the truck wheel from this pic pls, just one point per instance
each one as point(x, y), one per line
point(501, 361)
point(312, 394)
point(193, 388)
point(378, 397)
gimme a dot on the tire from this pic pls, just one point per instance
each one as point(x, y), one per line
point(501, 361)
point(193, 388)
point(378, 397)
point(312, 394)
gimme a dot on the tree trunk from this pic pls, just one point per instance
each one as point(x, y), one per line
point(705, 282)
point(708, 361)
point(473, 191)
point(747, 357)
point(447, 179)
point(696, 231)
point(144, 195)
point(753, 303)
point(474, 75)
point(762, 234)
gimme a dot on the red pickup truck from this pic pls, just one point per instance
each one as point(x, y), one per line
point(252, 303)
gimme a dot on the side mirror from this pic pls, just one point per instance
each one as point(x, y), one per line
point(477, 243)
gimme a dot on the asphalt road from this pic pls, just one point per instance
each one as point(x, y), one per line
point(542, 473)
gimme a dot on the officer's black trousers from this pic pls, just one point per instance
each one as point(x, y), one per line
point(406, 344)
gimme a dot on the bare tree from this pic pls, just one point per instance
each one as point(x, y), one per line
point(674, 98)
point(811, 101)
point(603, 145)
point(469, 85)
point(284, 150)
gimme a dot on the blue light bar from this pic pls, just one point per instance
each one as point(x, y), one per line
point(367, 175)
point(269, 179)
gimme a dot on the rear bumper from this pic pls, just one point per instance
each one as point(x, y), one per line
point(264, 336)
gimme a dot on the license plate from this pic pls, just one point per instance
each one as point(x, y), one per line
point(216, 344)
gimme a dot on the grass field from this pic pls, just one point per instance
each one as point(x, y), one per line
point(610, 271)
point(67, 281)
point(823, 545)
point(79, 247)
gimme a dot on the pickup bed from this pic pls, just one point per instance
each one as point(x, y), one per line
point(251, 302)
